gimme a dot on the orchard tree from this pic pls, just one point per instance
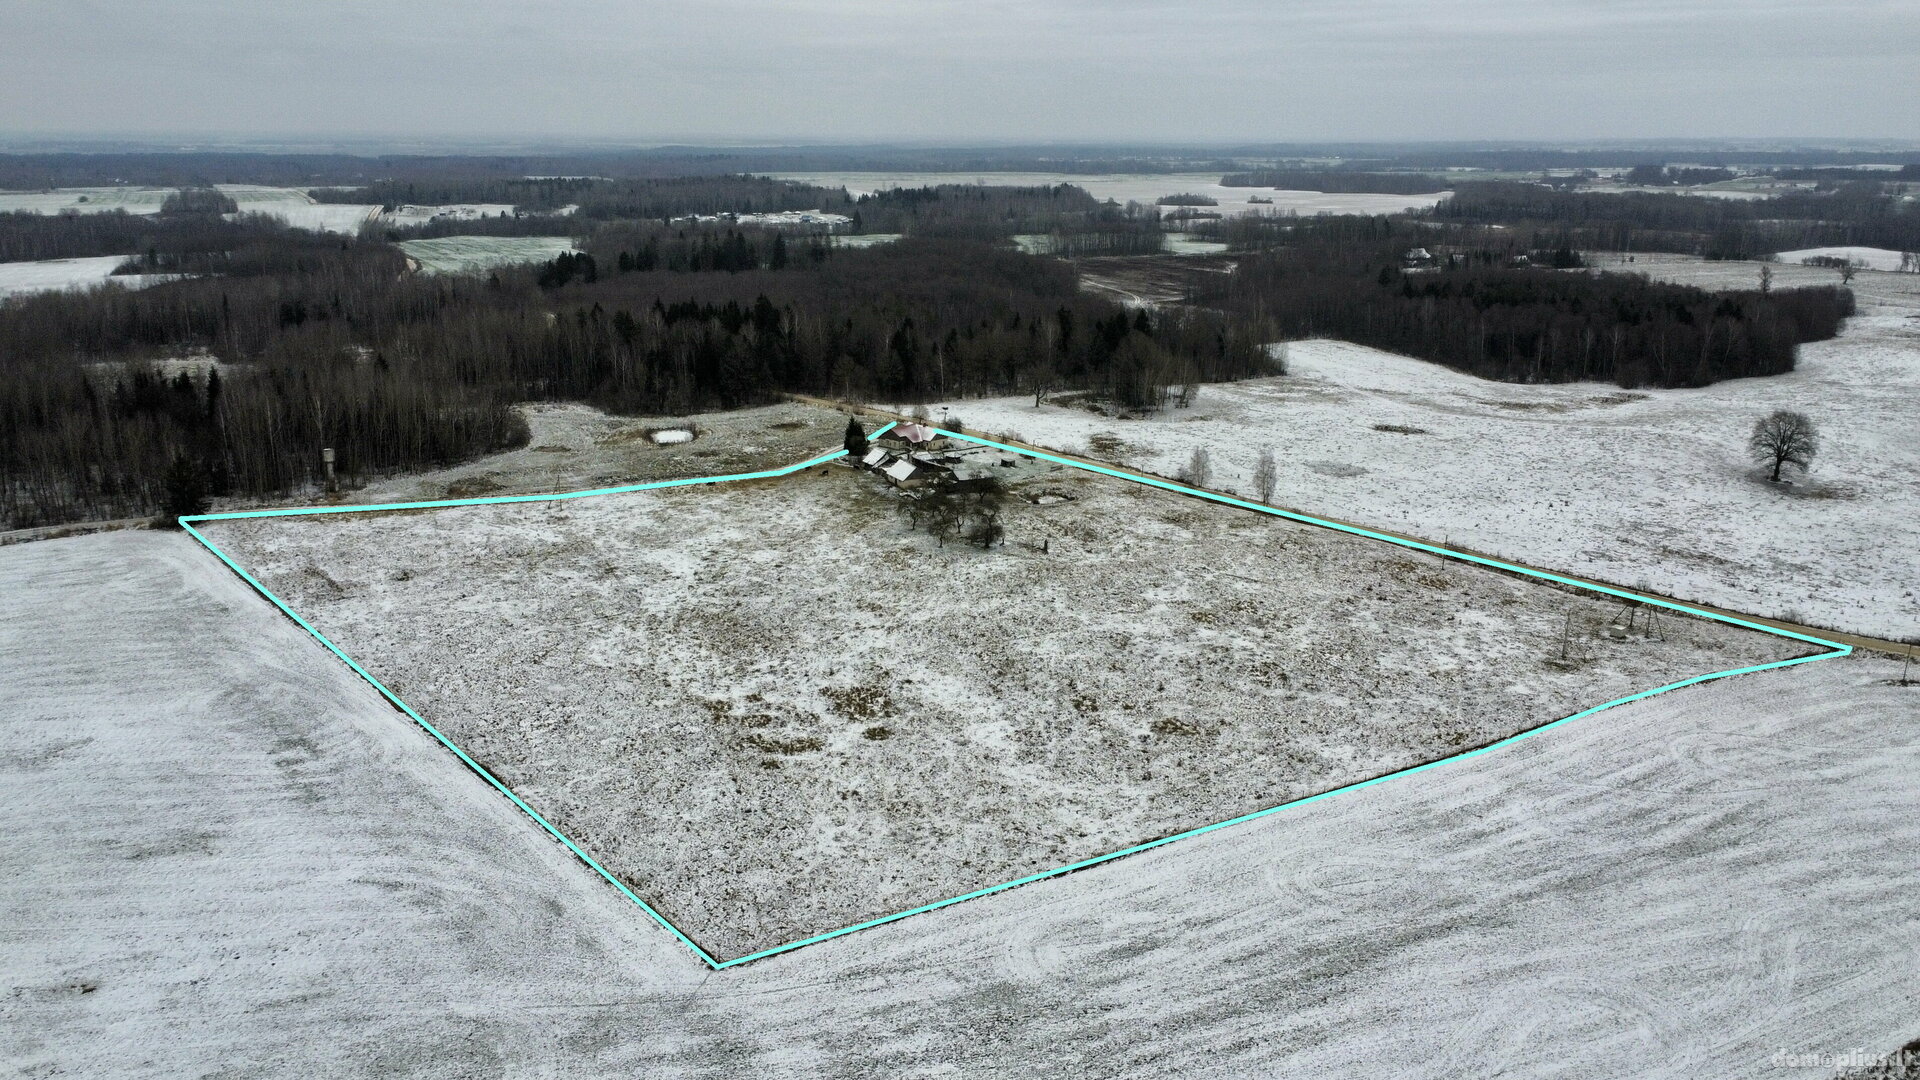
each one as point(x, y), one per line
point(1784, 438)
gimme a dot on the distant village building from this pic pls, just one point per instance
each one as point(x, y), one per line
point(1418, 257)
point(909, 472)
point(804, 221)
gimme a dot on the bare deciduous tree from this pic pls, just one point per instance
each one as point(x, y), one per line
point(1266, 476)
point(1199, 468)
point(1784, 438)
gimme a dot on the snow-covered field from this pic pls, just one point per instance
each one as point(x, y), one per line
point(1877, 293)
point(1188, 244)
point(1177, 243)
point(862, 240)
point(295, 207)
point(86, 200)
point(469, 254)
point(50, 275)
point(226, 856)
point(292, 205)
point(408, 216)
point(775, 711)
point(1870, 258)
point(1142, 189)
point(1623, 486)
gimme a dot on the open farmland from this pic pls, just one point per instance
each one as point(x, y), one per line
point(774, 710)
point(48, 275)
point(1144, 189)
point(408, 216)
point(470, 254)
point(298, 209)
point(1877, 292)
point(232, 851)
point(1626, 486)
point(1870, 258)
point(86, 200)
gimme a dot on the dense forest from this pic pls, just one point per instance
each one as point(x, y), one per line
point(100, 394)
point(25, 236)
point(1479, 307)
point(1860, 213)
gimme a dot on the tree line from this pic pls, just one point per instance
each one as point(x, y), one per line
point(1477, 313)
point(340, 347)
point(1344, 181)
point(1861, 213)
point(26, 236)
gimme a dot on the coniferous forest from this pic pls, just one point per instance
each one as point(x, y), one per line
point(334, 343)
point(1485, 303)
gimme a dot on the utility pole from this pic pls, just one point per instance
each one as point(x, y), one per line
point(326, 460)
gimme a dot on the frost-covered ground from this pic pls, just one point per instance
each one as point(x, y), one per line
point(86, 200)
point(1178, 243)
point(1878, 293)
point(1624, 486)
point(861, 240)
point(574, 447)
point(467, 254)
point(297, 208)
point(1871, 258)
point(409, 215)
point(226, 856)
point(775, 711)
point(1142, 189)
point(50, 275)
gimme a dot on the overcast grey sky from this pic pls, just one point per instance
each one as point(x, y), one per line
point(1078, 70)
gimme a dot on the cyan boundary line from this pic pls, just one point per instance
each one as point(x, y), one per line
point(1391, 539)
point(187, 524)
point(717, 965)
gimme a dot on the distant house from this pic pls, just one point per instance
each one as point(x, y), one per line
point(1418, 257)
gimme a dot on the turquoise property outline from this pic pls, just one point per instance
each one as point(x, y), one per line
point(1838, 650)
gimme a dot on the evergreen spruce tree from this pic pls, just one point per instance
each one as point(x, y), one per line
point(856, 441)
point(186, 492)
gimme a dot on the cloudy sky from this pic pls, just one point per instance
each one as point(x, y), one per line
point(1072, 70)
